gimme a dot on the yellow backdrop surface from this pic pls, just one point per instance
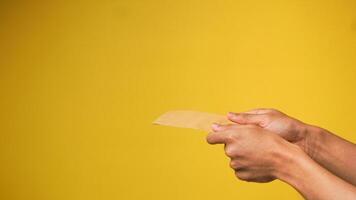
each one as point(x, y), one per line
point(81, 82)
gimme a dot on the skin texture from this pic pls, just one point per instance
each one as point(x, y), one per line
point(277, 122)
point(266, 144)
point(252, 158)
point(330, 151)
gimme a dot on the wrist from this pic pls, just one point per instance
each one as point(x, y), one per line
point(308, 138)
point(305, 175)
point(291, 168)
point(286, 158)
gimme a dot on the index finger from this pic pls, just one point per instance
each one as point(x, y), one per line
point(218, 127)
point(217, 138)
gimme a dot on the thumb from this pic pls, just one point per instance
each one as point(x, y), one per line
point(248, 118)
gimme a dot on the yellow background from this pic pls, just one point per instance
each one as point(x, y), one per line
point(81, 83)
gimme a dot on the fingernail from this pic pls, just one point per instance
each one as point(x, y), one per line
point(231, 114)
point(215, 126)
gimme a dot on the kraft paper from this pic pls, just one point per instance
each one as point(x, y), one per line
point(191, 119)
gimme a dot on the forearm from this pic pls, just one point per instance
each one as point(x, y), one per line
point(332, 152)
point(311, 180)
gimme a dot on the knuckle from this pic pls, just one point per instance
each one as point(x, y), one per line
point(233, 164)
point(264, 121)
point(230, 138)
point(243, 176)
point(210, 138)
point(230, 152)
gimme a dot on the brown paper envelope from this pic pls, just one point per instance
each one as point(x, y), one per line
point(191, 119)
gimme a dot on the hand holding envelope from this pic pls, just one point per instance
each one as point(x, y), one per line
point(266, 144)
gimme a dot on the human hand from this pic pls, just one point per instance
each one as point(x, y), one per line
point(256, 154)
point(277, 122)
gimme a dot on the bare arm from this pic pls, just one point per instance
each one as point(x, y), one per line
point(332, 152)
point(312, 181)
point(261, 156)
